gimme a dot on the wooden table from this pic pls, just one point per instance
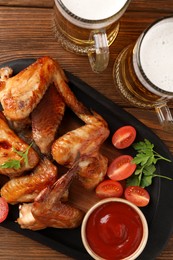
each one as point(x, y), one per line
point(26, 31)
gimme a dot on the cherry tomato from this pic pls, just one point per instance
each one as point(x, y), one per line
point(121, 168)
point(137, 195)
point(124, 137)
point(109, 188)
point(4, 209)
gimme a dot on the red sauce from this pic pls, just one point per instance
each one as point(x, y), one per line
point(114, 230)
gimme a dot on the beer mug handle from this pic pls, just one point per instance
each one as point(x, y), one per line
point(164, 116)
point(99, 56)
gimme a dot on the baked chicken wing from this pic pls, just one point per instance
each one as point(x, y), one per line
point(85, 140)
point(26, 188)
point(10, 148)
point(48, 210)
point(22, 92)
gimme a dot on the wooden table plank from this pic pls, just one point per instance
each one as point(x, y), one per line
point(28, 3)
point(140, 5)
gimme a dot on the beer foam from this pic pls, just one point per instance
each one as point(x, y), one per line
point(94, 9)
point(156, 54)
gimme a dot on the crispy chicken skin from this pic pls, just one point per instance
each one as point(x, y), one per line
point(23, 92)
point(46, 119)
point(26, 188)
point(8, 141)
point(48, 210)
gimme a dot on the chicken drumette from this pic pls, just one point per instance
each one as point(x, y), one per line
point(48, 210)
point(22, 93)
point(25, 188)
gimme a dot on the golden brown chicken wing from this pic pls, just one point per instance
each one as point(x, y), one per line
point(85, 140)
point(48, 210)
point(26, 188)
point(46, 119)
point(10, 148)
point(23, 92)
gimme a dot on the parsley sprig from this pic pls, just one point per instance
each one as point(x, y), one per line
point(145, 159)
point(16, 164)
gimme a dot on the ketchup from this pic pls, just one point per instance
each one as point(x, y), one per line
point(114, 230)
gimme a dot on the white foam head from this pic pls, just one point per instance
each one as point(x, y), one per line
point(94, 9)
point(156, 54)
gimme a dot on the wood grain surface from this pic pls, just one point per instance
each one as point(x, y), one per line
point(26, 31)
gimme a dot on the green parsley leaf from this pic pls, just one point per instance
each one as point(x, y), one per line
point(143, 146)
point(147, 181)
point(145, 159)
point(16, 164)
point(133, 180)
point(24, 155)
point(11, 164)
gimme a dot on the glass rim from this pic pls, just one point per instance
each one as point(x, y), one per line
point(92, 21)
point(138, 48)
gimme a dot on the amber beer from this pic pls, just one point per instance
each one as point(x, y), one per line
point(77, 39)
point(75, 19)
point(143, 72)
point(88, 27)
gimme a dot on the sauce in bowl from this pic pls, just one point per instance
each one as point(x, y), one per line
point(114, 229)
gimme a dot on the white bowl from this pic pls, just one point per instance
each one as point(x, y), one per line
point(133, 255)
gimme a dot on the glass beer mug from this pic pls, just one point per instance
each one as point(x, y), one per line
point(88, 27)
point(143, 72)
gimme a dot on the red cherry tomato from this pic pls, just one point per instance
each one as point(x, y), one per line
point(109, 188)
point(137, 195)
point(4, 209)
point(124, 137)
point(121, 168)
